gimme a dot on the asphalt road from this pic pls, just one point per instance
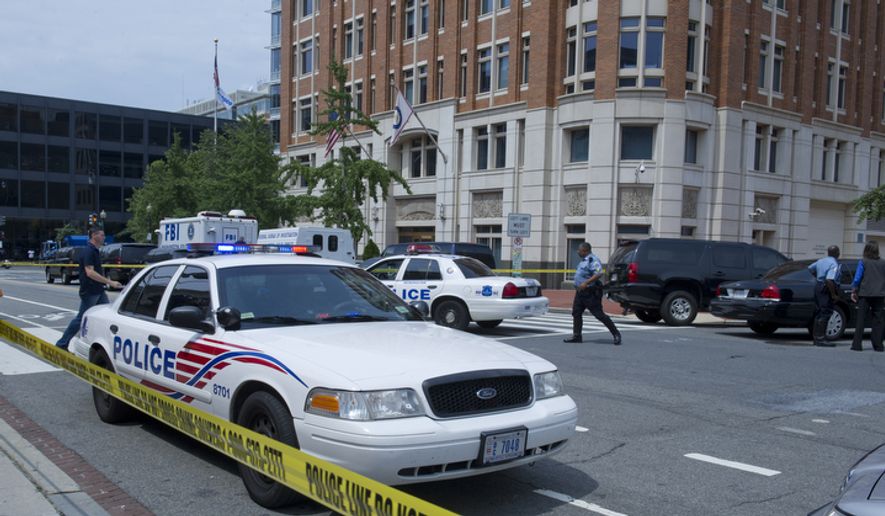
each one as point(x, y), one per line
point(659, 416)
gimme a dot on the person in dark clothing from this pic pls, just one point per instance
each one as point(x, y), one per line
point(92, 283)
point(588, 295)
point(868, 291)
point(827, 271)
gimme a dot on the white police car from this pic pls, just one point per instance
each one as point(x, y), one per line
point(459, 289)
point(318, 354)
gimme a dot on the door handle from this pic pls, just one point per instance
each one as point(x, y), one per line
point(114, 329)
point(431, 287)
point(153, 339)
point(718, 273)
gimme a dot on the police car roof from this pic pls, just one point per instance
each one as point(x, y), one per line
point(426, 255)
point(224, 261)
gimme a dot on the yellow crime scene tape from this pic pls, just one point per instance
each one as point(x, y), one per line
point(123, 266)
point(333, 486)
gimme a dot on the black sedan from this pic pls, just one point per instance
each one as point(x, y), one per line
point(863, 491)
point(784, 298)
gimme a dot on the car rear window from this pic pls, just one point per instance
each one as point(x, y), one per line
point(790, 270)
point(473, 268)
point(135, 254)
point(623, 255)
point(684, 253)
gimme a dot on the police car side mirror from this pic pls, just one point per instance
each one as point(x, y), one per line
point(421, 307)
point(228, 317)
point(190, 317)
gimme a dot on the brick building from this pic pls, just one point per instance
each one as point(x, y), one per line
point(750, 120)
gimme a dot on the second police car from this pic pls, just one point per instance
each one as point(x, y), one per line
point(318, 354)
point(459, 289)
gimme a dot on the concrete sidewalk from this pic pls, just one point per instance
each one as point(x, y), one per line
point(561, 301)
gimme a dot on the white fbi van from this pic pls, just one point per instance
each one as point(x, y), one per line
point(331, 243)
point(209, 227)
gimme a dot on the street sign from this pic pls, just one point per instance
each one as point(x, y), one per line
point(519, 225)
point(516, 256)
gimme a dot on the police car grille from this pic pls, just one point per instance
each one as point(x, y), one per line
point(457, 395)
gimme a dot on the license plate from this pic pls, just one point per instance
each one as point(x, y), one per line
point(739, 293)
point(531, 291)
point(503, 446)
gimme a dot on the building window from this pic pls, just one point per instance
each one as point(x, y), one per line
point(374, 30)
point(520, 129)
point(489, 235)
point(485, 7)
point(391, 25)
point(422, 84)
point(360, 37)
point(579, 145)
point(305, 109)
point(462, 80)
point(772, 149)
point(777, 75)
point(840, 100)
point(409, 20)
point(846, 11)
point(358, 96)
point(825, 159)
point(306, 57)
point(637, 142)
point(465, 11)
point(348, 40)
point(691, 51)
point(524, 79)
point(422, 157)
point(589, 47)
point(629, 43)
point(691, 146)
point(484, 70)
point(759, 147)
point(425, 17)
point(391, 89)
point(571, 39)
point(409, 85)
point(500, 135)
point(880, 169)
point(763, 64)
point(482, 148)
point(654, 43)
point(371, 96)
point(503, 68)
point(306, 8)
point(440, 78)
point(441, 14)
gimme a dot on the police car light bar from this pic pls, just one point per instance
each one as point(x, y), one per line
point(252, 248)
point(419, 249)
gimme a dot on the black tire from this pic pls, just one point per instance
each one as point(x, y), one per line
point(49, 278)
point(836, 326)
point(65, 276)
point(489, 324)
point(266, 414)
point(452, 314)
point(679, 308)
point(763, 328)
point(109, 409)
point(649, 316)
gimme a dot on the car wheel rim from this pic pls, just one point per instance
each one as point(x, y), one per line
point(834, 325)
point(680, 308)
point(449, 317)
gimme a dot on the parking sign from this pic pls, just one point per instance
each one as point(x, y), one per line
point(519, 225)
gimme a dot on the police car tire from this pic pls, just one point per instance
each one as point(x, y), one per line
point(266, 414)
point(49, 278)
point(109, 409)
point(489, 324)
point(65, 277)
point(460, 317)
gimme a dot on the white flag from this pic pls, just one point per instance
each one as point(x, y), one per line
point(401, 115)
point(223, 98)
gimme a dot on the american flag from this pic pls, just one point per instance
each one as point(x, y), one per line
point(333, 137)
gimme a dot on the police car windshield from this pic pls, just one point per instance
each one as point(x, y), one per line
point(473, 268)
point(288, 295)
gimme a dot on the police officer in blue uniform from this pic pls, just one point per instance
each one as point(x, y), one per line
point(826, 271)
point(588, 295)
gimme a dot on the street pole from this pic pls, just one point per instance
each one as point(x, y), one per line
point(215, 95)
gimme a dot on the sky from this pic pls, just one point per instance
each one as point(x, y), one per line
point(155, 54)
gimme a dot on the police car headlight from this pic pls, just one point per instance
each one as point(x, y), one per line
point(364, 406)
point(548, 385)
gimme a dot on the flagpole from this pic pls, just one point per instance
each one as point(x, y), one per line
point(215, 96)
point(435, 141)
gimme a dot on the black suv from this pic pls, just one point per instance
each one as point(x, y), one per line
point(480, 252)
point(123, 254)
point(64, 265)
point(672, 279)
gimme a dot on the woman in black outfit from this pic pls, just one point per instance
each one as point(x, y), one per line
point(868, 291)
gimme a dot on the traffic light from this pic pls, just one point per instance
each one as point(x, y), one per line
point(92, 220)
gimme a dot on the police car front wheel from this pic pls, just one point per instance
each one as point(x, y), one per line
point(109, 409)
point(266, 414)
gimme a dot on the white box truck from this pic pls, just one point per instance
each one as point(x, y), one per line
point(332, 243)
point(209, 227)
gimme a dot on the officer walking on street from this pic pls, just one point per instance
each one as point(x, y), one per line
point(92, 283)
point(827, 271)
point(588, 295)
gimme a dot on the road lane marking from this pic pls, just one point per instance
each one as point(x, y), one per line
point(855, 414)
point(592, 507)
point(26, 321)
point(581, 429)
point(39, 304)
point(823, 421)
point(795, 430)
point(732, 464)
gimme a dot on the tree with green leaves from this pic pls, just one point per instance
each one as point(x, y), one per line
point(339, 188)
point(871, 205)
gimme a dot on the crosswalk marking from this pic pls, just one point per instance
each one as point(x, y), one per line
point(558, 323)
